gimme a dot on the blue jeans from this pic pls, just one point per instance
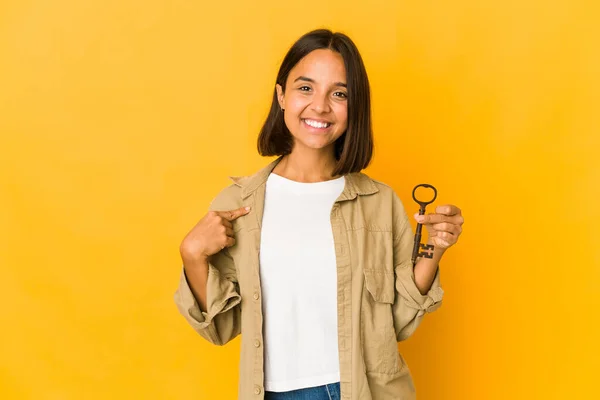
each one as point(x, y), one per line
point(325, 392)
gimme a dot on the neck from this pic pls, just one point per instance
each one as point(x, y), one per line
point(306, 167)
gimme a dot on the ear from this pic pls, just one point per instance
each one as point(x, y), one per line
point(280, 96)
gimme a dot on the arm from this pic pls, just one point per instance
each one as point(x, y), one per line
point(221, 322)
point(196, 274)
point(426, 269)
point(418, 290)
point(208, 296)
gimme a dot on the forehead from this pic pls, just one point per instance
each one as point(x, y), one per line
point(321, 65)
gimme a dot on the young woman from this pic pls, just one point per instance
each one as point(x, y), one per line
point(309, 258)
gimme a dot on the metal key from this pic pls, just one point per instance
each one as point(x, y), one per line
point(427, 248)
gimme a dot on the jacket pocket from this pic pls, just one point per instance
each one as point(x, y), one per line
point(379, 344)
point(380, 285)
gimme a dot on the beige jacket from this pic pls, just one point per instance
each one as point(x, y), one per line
point(377, 298)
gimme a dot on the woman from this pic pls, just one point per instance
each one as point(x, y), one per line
point(309, 257)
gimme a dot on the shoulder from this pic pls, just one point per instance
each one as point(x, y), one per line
point(381, 208)
point(382, 186)
point(383, 189)
point(228, 198)
point(387, 197)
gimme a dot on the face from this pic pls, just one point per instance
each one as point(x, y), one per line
point(316, 100)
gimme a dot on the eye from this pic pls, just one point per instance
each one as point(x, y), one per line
point(301, 88)
point(341, 95)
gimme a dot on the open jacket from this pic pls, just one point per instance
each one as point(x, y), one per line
point(378, 301)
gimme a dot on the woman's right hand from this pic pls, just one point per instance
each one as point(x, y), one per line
point(211, 234)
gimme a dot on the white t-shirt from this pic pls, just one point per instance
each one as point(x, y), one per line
point(298, 275)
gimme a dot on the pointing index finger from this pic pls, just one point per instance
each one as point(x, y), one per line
point(234, 214)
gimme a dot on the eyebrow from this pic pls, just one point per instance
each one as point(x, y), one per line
point(304, 78)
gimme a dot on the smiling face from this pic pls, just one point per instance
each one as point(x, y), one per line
point(316, 100)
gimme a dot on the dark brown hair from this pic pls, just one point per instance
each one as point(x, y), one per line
point(354, 149)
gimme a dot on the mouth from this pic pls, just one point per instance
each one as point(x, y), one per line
point(315, 125)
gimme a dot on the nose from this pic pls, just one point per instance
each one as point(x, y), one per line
point(321, 103)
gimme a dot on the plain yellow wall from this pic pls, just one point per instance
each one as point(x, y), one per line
point(120, 120)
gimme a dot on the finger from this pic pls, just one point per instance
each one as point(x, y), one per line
point(447, 227)
point(443, 243)
point(446, 236)
point(437, 242)
point(229, 232)
point(234, 214)
point(432, 218)
point(440, 218)
point(448, 209)
point(229, 242)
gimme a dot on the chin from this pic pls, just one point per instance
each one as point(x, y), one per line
point(318, 145)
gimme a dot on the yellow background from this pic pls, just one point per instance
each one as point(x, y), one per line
point(120, 120)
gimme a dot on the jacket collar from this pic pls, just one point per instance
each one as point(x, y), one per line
point(357, 183)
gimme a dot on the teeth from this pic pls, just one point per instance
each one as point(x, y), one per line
point(316, 124)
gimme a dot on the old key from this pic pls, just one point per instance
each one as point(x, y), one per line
point(427, 248)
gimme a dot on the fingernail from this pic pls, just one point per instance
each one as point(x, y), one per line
point(247, 208)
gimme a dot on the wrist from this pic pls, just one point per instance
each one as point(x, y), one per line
point(195, 261)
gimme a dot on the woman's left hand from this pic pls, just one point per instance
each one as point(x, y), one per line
point(444, 226)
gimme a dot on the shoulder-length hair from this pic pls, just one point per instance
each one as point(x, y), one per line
point(354, 149)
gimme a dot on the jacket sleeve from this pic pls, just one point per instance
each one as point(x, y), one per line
point(410, 305)
point(222, 320)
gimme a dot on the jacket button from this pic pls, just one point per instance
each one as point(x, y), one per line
point(255, 296)
point(257, 343)
point(256, 389)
